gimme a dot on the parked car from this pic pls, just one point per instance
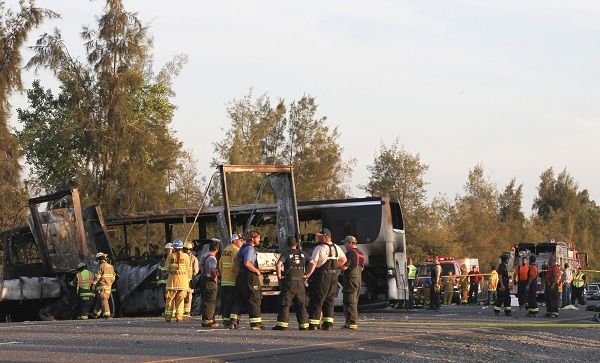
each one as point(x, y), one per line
point(592, 292)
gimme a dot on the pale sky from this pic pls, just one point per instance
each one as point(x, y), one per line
point(511, 85)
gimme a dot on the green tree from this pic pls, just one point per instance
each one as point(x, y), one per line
point(565, 213)
point(187, 183)
point(398, 173)
point(263, 134)
point(477, 223)
point(14, 29)
point(118, 111)
point(511, 217)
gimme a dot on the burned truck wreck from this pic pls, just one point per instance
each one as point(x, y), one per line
point(40, 259)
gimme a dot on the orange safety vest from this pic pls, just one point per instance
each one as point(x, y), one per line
point(523, 272)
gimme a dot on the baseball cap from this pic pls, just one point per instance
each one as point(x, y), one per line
point(325, 232)
point(235, 236)
point(350, 239)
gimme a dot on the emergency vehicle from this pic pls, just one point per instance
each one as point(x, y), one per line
point(543, 251)
point(449, 264)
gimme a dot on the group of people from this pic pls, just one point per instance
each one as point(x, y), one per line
point(562, 286)
point(570, 284)
point(94, 289)
point(310, 283)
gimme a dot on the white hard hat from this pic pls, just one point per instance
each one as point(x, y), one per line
point(168, 245)
point(100, 255)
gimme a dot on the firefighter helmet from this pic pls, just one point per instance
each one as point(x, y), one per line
point(168, 246)
point(101, 255)
point(81, 265)
point(188, 245)
point(177, 244)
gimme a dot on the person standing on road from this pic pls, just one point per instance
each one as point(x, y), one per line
point(228, 270)
point(291, 268)
point(551, 288)
point(474, 279)
point(448, 288)
point(209, 282)
point(436, 275)
point(412, 275)
point(579, 283)
point(84, 280)
point(103, 281)
point(178, 282)
point(323, 282)
point(247, 284)
point(464, 285)
point(161, 275)
point(492, 286)
point(352, 281)
point(521, 274)
point(503, 289)
point(193, 270)
point(567, 278)
point(531, 288)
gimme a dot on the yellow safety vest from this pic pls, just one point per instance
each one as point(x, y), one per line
point(578, 280)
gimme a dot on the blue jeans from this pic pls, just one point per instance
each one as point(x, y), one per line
point(491, 297)
point(566, 295)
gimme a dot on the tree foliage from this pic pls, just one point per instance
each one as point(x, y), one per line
point(115, 115)
point(14, 30)
point(264, 134)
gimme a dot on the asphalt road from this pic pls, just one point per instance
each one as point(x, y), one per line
point(455, 334)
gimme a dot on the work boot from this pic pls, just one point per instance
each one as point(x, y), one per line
point(210, 324)
point(313, 327)
point(532, 315)
point(327, 326)
point(508, 313)
point(257, 327)
point(278, 327)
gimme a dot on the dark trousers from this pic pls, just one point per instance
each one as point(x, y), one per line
point(411, 295)
point(247, 296)
point(209, 291)
point(323, 289)
point(473, 292)
point(577, 295)
point(521, 294)
point(227, 296)
point(292, 291)
point(351, 283)
point(434, 298)
point(532, 304)
point(86, 304)
point(503, 299)
point(551, 299)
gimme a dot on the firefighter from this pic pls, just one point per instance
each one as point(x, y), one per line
point(209, 280)
point(578, 284)
point(531, 288)
point(492, 286)
point(352, 281)
point(84, 280)
point(103, 280)
point(474, 278)
point(412, 275)
point(291, 267)
point(448, 288)
point(551, 288)
point(323, 282)
point(161, 274)
point(178, 282)
point(503, 289)
point(464, 285)
point(434, 291)
point(520, 275)
point(228, 271)
point(247, 284)
point(193, 270)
